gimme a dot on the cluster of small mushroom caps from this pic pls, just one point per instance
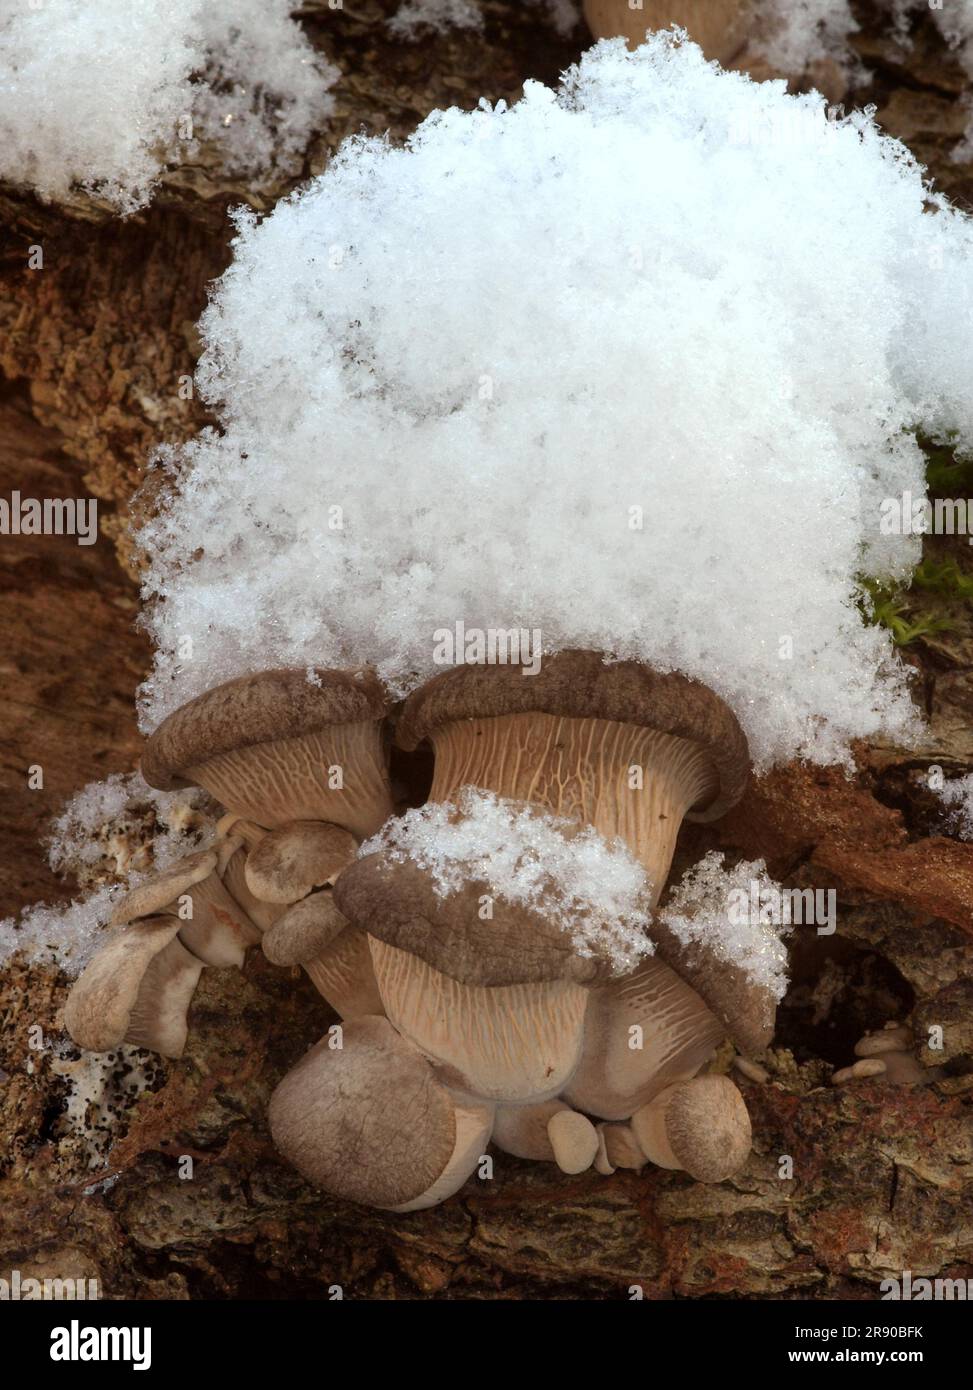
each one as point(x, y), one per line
point(456, 1031)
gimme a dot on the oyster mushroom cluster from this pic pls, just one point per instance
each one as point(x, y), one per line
point(459, 1028)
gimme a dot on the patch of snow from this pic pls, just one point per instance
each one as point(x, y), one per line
point(700, 910)
point(957, 797)
point(592, 364)
point(101, 95)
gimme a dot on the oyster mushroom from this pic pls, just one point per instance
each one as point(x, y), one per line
point(569, 737)
point(701, 1126)
point(685, 1000)
point(887, 1054)
point(274, 748)
point(314, 934)
point(372, 1122)
point(137, 989)
point(498, 1005)
point(216, 928)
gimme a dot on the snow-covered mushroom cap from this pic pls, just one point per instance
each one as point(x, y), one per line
point(370, 1122)
point(263, 745)
point(398, 903)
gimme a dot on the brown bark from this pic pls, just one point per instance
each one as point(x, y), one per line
point(92, 348)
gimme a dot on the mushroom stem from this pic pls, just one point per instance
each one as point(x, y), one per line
point(583, 768)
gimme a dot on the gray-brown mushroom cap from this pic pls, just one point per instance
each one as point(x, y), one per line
point(136, 989)
point(582, 685)
point(396, 902)
point(261, 708)
point(747, 1009)
point(367, 1122)
point(291, 860)
point(304, 931)
point(704, 1122)
point(162, 890)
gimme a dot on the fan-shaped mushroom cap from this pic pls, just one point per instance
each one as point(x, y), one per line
point(720, 27)
point(498, 1003)
point(160, 892)
point(397, 903)
point(137, 989)
point(212, 925)
point(642, 1033)
point(263, 745)
point(291, 860)
point(701, 1126)
point(304, 931)
point(581, 685)
point(371, 1123)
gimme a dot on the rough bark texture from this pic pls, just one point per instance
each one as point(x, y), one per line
point(92, 348)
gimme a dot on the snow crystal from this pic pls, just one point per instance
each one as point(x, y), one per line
point(701, 909)
point(598, 363)
point(415, 17)
point(957, 797)
point(102, 94)
point(594, 890)
point(97, 834)
point(794, 33)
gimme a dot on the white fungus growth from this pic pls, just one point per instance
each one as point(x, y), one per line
point(957, 797)
point(593, 889)
point(710, 905)
point(590, 364)
point(102, 94)
point(102, 833)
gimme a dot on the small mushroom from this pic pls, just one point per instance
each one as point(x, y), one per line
point(137, 989)
point(701, 1126)
point(574, 1140)
point(211, 924)
point(291, 860)
point(886, 1054)
point(498, 1004)
point(304, 931)
point(275, 747)
point(370, 1122)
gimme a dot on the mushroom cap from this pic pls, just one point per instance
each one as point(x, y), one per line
point(582, 685)
point(254, 709)
point(368, 1122)
point(304, 931)
point(747, 1010)
point(157, 893)
point(396, 902)
point(291, 860)
point(706, 1123)
point(136, 989)
point(574, 1140)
